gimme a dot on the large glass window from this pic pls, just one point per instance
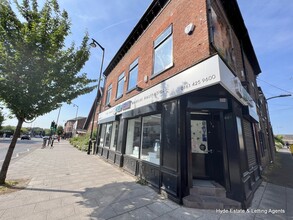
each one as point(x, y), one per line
point(144, 138)
point(109, 92)
point(109, 135)
point(114, 135)
point(151, 138)
point(133, 137)
point(133, 72)
point(102, 138)
point(120, 86)
point(163, 51)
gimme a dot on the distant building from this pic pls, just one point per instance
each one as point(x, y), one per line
point(287, 138)
point(74, 127)
point(89, 125)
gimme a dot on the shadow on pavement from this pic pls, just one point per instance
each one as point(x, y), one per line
point(116, 199)
point(129, 200)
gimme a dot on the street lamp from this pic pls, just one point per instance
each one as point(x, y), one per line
point(58, 115)
point(279, 96)
point(94, 44)
point(74, 105)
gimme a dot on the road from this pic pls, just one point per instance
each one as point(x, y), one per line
point(22, 147)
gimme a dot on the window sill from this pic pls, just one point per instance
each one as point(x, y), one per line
point(118, 97)
point(161, 72)
point(130, 90)
point(132, 156)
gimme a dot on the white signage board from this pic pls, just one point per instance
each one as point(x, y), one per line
point(205, 74)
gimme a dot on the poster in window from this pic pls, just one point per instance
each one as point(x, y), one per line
point(199, 139)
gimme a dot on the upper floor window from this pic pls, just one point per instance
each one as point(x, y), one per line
point(109, 92)
point(120, 86)
point(163, 51)
point(133, 72)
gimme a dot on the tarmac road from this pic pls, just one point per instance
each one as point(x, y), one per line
point(22, 147)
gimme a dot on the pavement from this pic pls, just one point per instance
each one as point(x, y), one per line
point(65, 183)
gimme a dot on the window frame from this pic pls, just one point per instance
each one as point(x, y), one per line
point(132, 67)
point(108, 97)
point(141, 136)
point(120, 80)
point(109, 124)
point(160, 40)
point(104, 127)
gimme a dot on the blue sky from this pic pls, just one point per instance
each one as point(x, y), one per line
point(269, 23)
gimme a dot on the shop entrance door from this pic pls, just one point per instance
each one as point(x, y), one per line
point(206, 148)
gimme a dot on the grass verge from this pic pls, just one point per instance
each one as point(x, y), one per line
point(13, 186)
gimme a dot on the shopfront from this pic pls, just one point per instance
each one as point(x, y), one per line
point(185, 128)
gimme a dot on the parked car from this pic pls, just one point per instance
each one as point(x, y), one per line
point(25, 137)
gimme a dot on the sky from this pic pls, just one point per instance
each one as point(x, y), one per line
point(269, 23)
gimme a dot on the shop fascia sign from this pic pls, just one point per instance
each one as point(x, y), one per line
point(242, 93)
point(233, 85)
point(123, 107)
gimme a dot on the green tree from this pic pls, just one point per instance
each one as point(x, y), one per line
point(37, 71)
point(60, 130)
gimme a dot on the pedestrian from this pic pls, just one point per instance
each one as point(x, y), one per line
point(49, 140)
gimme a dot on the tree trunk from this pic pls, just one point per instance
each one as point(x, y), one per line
point(8, 156)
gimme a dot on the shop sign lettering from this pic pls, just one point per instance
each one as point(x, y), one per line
point(122, 107)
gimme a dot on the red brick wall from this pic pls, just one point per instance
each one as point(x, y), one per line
point(251, 80)
point(187, 49)
point(243, 73)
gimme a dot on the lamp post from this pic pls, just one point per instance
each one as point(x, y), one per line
point(279, 96)
point(74, 105)
point(268, 121)
point(95, 44)
point(58, 116)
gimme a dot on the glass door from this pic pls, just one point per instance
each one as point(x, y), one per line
point(201, 147)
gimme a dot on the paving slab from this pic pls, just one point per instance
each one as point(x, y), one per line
point(68, 184)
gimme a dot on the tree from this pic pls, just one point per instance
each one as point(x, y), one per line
point(37, 71)
point(60, 130)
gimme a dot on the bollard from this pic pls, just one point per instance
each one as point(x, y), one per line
point(44, 142)
point(89, 147)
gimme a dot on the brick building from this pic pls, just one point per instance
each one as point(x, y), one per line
point(91, 123)
point(74, 127)
point(180, 106)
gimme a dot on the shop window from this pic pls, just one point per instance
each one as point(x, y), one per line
point(133, 72)
point(109, 92)
point(114, 135)
point(120, 86)
point(144, 138)
point(151, 138)
point(102, 138)
point(163, 51)
point(133, 137)
point(108, 135)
